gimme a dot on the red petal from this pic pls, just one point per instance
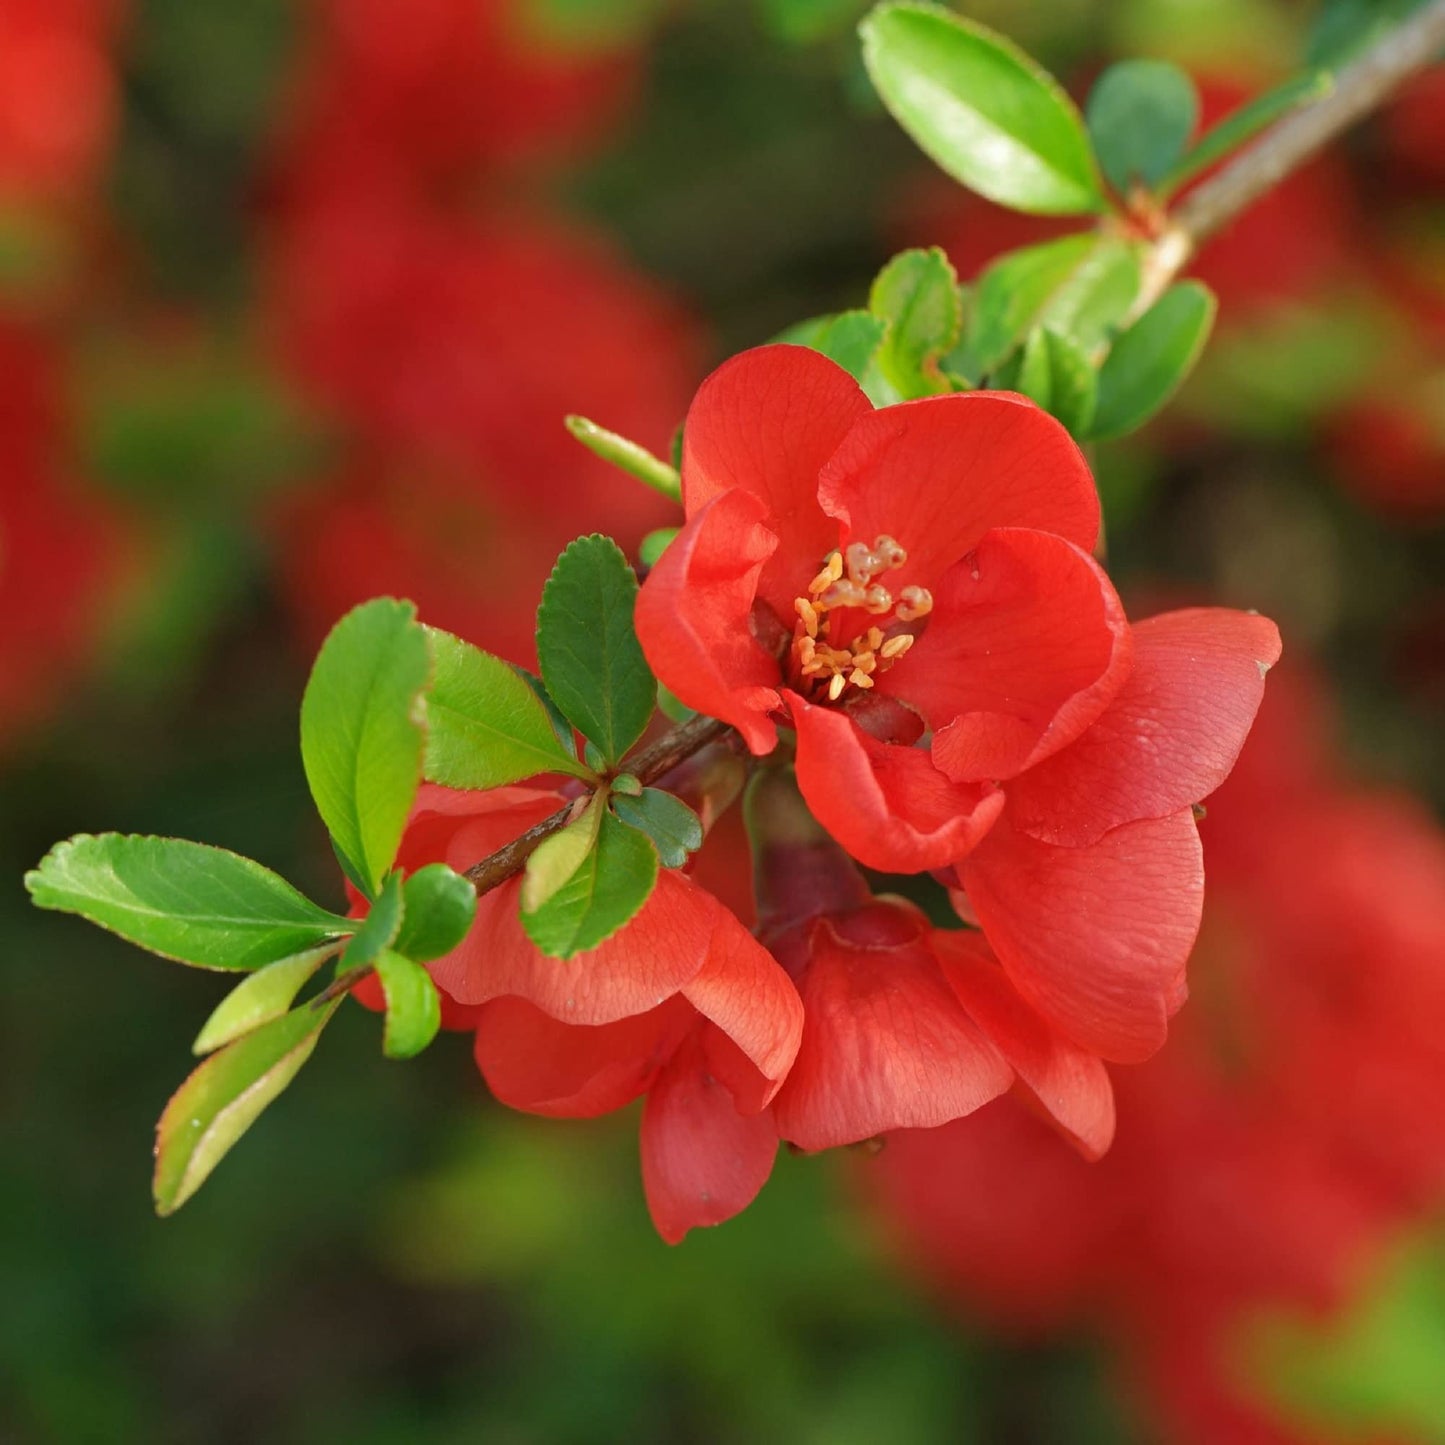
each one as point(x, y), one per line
point(693, 617)
point(886, 1045)
point(1026, 644)
point(1168, 739)
point(1095, 938)
point(937, 474)
point(744, 991)
point(887, 805)
point(1068, 1083)
point(768, 420)
point(635, 970)
point(460, 827)
point(702, 1161)
point(574, 1071)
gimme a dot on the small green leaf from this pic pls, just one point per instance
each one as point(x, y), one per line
point(626, 455)
point(673, 827)
point(1141, 114)
point(565, 733)
point(362, 732)
point(1243, 124)
point(848, 337)
point(186, 901)
point(613, 882)
point(591, 660)
point(627, 784)
point(413, 1006)
point(672, 707)
point(486, 725)
point(1148, 362)
point(439, 908)
point(224, 1097)
point(981, 109)
point(378, 929)
point(557, 858)
point(259, 998)
point(1093, 300)
point(1008, 298)
point(1056, 373)
point(654, 544)
point(917, 294)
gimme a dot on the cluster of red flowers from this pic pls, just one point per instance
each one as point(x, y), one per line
point(910, 593)
point(447, 321)
point(1272, 1151)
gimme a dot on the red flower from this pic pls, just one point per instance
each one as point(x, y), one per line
point(907, 1026)
point(682, 1005)
point(873, 576)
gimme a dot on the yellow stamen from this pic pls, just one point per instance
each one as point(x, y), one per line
point(914, 602)
point(896, 646)
point(835, 688)
point(832, 571)
point(859, 678)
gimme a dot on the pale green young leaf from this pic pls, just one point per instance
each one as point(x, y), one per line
point(186, 901)
point(378, 930)
point(1057, 374)
point(851, 338)
point(917, 295)
point(413, 1006)
point(259, 998)
point(557, 858)
point(439, 908)
point(627, 456)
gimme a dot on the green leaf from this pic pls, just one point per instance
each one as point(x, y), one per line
point(557, 858)
point(1009, 296)
point(379, 928)
point(674, 828)
point(1057, 374)
point(439, 906)
point(186, 901)
point(362, 731)
point(1148, 362)
point(917, 295)
point(626, 455)
point(851, 338)
point(1141, 114)
point(981, 109)
point(259, 998)
point(591, 660)
point(413, 1006)
point(486, 725)
point(1241, 125)
point(613, 882)
point(565, 733)
point(225, 1096)
point(1092, 301)
point(654, 544)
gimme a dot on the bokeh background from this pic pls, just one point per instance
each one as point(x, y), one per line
point(293, 297)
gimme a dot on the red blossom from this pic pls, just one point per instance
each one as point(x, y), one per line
point(870, 577)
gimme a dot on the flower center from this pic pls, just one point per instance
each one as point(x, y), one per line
point(822, 663)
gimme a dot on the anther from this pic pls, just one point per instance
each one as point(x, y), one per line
point(889, 552)
point(844, 593)
point(858, 678)
point(878, 599)
point(835, 688)
point(914, 602)
point(862, 564)
point(896, 646)
point(832, 571)
point(808, 615)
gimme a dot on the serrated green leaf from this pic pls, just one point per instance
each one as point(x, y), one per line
point(1146, 365)
point(259, 998)
point(1141, 114)
point(378, 930)
point(486, 725)
point(981, 109)
point(557, 858)
point(1010, 294)
point(917, 295)
point(439, 908)
point(565, 733)
point(1057, 374)
point(611, 885)
point(413, 1006)
point(1242, 125)
point(224, 1097)
point(591, 660)
point(362, 731)
point(851, 338)
point(187, 901)
point(674, 828)
point(627, 456)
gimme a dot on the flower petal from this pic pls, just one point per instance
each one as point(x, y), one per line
point(1168, 739)
point(1095, 938)
point(702, 1161)
point(745, 992)
point(574, 1071)
point(634, 971)
point(1026, 644)
point(1067, 1083)
point(693, 617)
point(938, 473)
point(889, 806)
point(886, 1045)
point(767, 421)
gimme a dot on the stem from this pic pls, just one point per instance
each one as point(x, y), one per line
point(1358, 89)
